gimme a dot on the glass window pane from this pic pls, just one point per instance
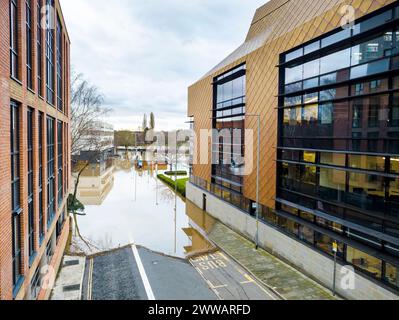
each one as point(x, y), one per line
point(364, 261)
point(336, 37)
point(310, 113)
point(366, 191)
point(371, 50)
point(311, 97)
point(306, 234)
point(332, 184)
point(293, 55)
point(326, 111)
point(333, 159)
point(370, 87)
point(311, 83)
point(391, 274)
point(367, 162)
point(292, 101)
point(335, 61)
point(325, 244)
point(293, 87)
point(372, 22)
point(311, 69)
point(294, 74)
point(395, 164)
point(309, 157)
point(370, 68)
point(312, 47)
point(334, 93)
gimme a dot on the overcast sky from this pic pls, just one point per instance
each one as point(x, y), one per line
point(143, 54)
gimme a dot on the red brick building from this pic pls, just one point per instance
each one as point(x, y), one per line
point(35, 146)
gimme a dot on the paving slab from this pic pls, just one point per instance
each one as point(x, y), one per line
point(287, 282)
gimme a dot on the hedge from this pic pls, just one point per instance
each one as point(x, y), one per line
point(178, 173)
point(181, 184)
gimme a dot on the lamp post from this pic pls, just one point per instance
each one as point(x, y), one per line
point(257, 182)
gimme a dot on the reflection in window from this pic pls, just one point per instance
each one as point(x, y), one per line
point(333, 159)
point(370, 68)
point(306, 234)
point(371, 50)
point(370, 87)
point(325, 244)
point(367, 162)
point(294, 74)
point(394, 112)
point(326, 113)
point(309, 157)
point(366, 191)
point(335, 61)
point(311, 69)
point(364, 261)
point(395, 165)
point(332, 184)
point(333, 226)
point(391, 274)
point(310, 113)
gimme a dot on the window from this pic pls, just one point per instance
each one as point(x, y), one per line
point(371, 50)
point(326, 112)
point(364, 261)
point(335, 61)
point(334, 93)
point(50, 171)
point(29, 51)
point(306, 234)
point(367, 162)
point(59, 66)
point(39, 49)
point(370, 68)
point(395, 165)
point(31, 213)
point(366, 191)
point(15, 193)
point(336, 37)
point(332, 184)
point(311, 69)
point(394, 111)
point(294, 74)
point(312, 47)
point(309, 157)
point(325, 244)
point(293, 55)
point(333, 159)
point(60, 162)
point(41, 168)
point(50, 52)
point(370, 87)
point(14, 38)
point(310, 113)
point(391, 274)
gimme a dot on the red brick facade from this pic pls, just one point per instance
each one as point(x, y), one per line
point(17, 90)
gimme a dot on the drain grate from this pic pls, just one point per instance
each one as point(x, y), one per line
point(75, 287)
point(71, 263)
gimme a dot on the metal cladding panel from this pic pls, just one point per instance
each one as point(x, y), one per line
point(287, 24)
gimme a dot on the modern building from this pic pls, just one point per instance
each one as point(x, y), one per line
point(327, 94)
point(35, 146)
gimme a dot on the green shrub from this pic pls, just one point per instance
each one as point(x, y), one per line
point(178, 173)
point(181, 184)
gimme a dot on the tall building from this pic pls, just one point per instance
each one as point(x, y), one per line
point(35, 146)
point(327, 95)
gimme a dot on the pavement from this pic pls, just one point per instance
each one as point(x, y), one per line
point(68, 285)
point(285, 281)
point(228, 280)
point(136, 273)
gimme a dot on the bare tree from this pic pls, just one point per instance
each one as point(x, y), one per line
point(87, 110)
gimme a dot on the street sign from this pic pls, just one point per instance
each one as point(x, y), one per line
point(335, 247)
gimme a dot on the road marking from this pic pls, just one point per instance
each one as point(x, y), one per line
point(90, 280)
point(144, 278)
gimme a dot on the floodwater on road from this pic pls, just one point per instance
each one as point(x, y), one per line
point(125, 206)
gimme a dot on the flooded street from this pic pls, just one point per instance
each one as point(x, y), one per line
point(121, 208)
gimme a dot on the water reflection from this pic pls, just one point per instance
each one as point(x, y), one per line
point(121, 208)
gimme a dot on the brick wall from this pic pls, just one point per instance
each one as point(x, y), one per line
point(17, 90)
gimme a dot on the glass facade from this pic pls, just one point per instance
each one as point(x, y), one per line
point(59, 66)
point(339, 145)
point(41, 169)
point(60, 162)
point(228, 141)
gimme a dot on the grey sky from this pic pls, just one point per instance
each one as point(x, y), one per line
point(143, 54)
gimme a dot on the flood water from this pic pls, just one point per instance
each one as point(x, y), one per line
point(122, 207)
